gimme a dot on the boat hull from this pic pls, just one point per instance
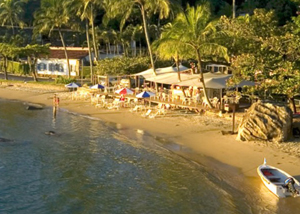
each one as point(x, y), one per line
point(274, 179)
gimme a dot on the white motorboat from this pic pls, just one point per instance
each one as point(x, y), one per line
point(279, 182)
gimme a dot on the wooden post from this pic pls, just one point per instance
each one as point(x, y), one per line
point(82, 72)
point(233, 118)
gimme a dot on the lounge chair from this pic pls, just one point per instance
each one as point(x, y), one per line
point(147, 113)
point(153, 115)
point(135, 109)
point(158, 112)
point(114, 105)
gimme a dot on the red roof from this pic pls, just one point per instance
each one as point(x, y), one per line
point(73, 53)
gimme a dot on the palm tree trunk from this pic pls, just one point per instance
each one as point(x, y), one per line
point(177, 65)
point(124, 51)
point(233, 9)
point(12, 27)
point(134, 50)
point(114, 48)
point(30, 69)
point(140, 44)
point(202, 78)
point(66, 53)
point(147, 37)
point(89, 47)
point(93, 36)
point(5, 67)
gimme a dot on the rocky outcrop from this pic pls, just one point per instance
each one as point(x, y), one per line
point(34, 106)
point(266, 121)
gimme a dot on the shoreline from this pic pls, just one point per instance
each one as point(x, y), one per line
point(201, 134)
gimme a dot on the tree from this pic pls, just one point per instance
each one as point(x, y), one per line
point(10, 10)
point(195, 30)
point(137, 35)
point(246, 33)
point(169, 47)
point(147, 8)
point(7, 51)
point(33, 52)
point(271, 58)
point(53, 15)
point(86, 10)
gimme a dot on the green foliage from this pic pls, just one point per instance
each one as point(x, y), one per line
point(64, 80)
point(127, 65)
point(18, 68)
point(86, 72)
point(122, 65)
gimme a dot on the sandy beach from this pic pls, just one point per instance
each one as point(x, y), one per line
point(200, 133)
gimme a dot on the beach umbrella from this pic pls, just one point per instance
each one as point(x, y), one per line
point(97, 86)
point(72, 85)
point(124, 91)
point(145, 94)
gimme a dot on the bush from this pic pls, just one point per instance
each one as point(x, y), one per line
point(63, 80)
point(16, 67)
point(127, 65)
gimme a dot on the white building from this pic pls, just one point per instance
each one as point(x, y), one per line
point(55, 64)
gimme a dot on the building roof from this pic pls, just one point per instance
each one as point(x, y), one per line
point(73, 52)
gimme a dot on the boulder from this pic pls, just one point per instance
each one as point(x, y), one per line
point(266, 122)
point(34, 106)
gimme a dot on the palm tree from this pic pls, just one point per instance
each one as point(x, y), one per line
point(137, 34)
point(10, 10)
point(169, 47)
point(86, 10)
point(147, 8)
point(194, 29)
point(7, 51)
point(53, 15)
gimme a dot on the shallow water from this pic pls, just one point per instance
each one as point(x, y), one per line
point(90, 166)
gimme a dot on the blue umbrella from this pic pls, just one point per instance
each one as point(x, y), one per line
point(97, 86)
point(145, 94)
point(72, 85)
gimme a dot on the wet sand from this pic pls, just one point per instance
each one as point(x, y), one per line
point(201, 134)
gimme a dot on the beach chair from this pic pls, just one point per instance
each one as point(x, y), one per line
point(113, 106)
point(135, 109)
point(152, 116)
point(147, 113)
point(95, 99)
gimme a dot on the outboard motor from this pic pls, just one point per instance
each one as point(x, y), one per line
point(289, 183)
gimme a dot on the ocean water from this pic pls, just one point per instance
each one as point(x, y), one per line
point(90, 166)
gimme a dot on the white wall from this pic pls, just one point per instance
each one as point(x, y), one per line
point(56, 67)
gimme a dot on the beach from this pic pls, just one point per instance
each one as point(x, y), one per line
point(183, 130)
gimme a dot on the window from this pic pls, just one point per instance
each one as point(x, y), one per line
point(41, 67)
point(51, 67)
point(61, 68)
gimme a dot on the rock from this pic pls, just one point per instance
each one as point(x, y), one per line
point(50, 133)
point(4, 140)
point(266, 121)
point(34, 106)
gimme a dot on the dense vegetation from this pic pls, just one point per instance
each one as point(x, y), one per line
point(259, 39)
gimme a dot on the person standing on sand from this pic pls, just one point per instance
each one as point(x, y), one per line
point(55, 105)
point(55, 101)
